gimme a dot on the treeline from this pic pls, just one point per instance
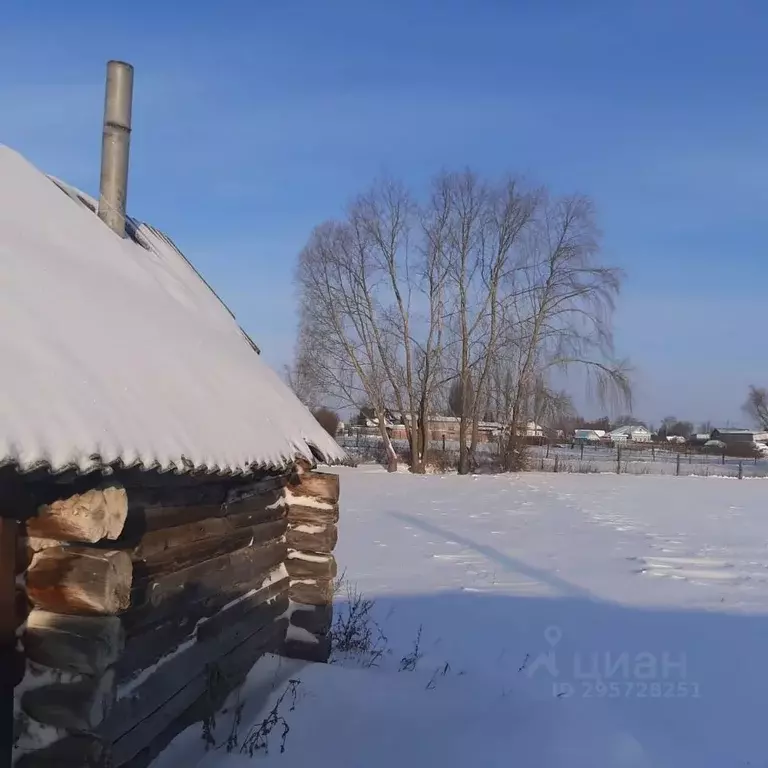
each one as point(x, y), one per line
point(476, 297)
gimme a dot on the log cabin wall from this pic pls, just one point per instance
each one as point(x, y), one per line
point(143, 589)
point(313, 512)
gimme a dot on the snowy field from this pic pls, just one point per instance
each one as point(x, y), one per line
point(566, 621)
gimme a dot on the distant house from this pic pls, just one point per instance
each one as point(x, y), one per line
point(733, 435)
point(532, 429)
point(588, 435)
point(675, 439)
point(448, 427)
point(633, 433)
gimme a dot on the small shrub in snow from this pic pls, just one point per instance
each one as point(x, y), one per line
point(257, 738)
point(410, 661)
point(355, 631)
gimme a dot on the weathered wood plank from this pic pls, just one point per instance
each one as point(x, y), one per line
point(80, 706)
point(298, 514)
point(80, 580)
point(302, 566)
point(82, 644)
point(185, 668)
point(183, 556)
point(322, 486)
point(310, 539)
point(150, 643)
point(312, 591)
point(168, 594)
point(88, 517)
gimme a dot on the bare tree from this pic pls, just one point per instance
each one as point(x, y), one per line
point(756, 406)
point(563, 319)
point(341, 347)
point(483, 227)
point(483, 289)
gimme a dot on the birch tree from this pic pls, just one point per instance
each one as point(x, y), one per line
point(563, 317)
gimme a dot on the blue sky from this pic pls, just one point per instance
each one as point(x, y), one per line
point(253, 121)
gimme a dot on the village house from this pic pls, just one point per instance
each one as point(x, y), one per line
point(588, 435)
point(631, 433)
point(740, 436)
point(162, 518)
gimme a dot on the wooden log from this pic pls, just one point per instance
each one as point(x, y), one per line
point(317, 619)
point(82, 644)
point(312, 538)
point(322, 486)
point(168, 507)
point(305, 566)
point(187, 671)
point(318, 652)
point(79, 706)
point(151, 643)
point(275, 596)
point(299, 514)
point(168, 594)
point(152, 734)
point(312, 591)
point(151, 526)
point(74, 751)
point(156, 542)
point(186, 555)
point(80, 580)
point(88, 517)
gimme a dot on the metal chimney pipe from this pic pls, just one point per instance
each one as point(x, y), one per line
point(116, 141)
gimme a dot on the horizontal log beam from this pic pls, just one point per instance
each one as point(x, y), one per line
point(184, 556)
point(87, 517)
point(305, 566)
point(168, 594)
point(219, 525)
point(318, 651)
point(312, 591)
point(317, 619)
point(321, 538)
point(148, 525)
point(79, 706)
point(192, 703)
point(188, 667)
point(74, 751)
point(149, 643)
point(80, 580)
point(322, 486)
point(298, 514)
point(82, 644)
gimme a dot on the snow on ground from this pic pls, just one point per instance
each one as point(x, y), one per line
point(567, 620)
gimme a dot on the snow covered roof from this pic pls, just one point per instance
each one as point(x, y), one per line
point(115, 351)
point(629, 429)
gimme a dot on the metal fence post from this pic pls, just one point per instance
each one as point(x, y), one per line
point(677, 467)
point(618, 459)
point(741, 470)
